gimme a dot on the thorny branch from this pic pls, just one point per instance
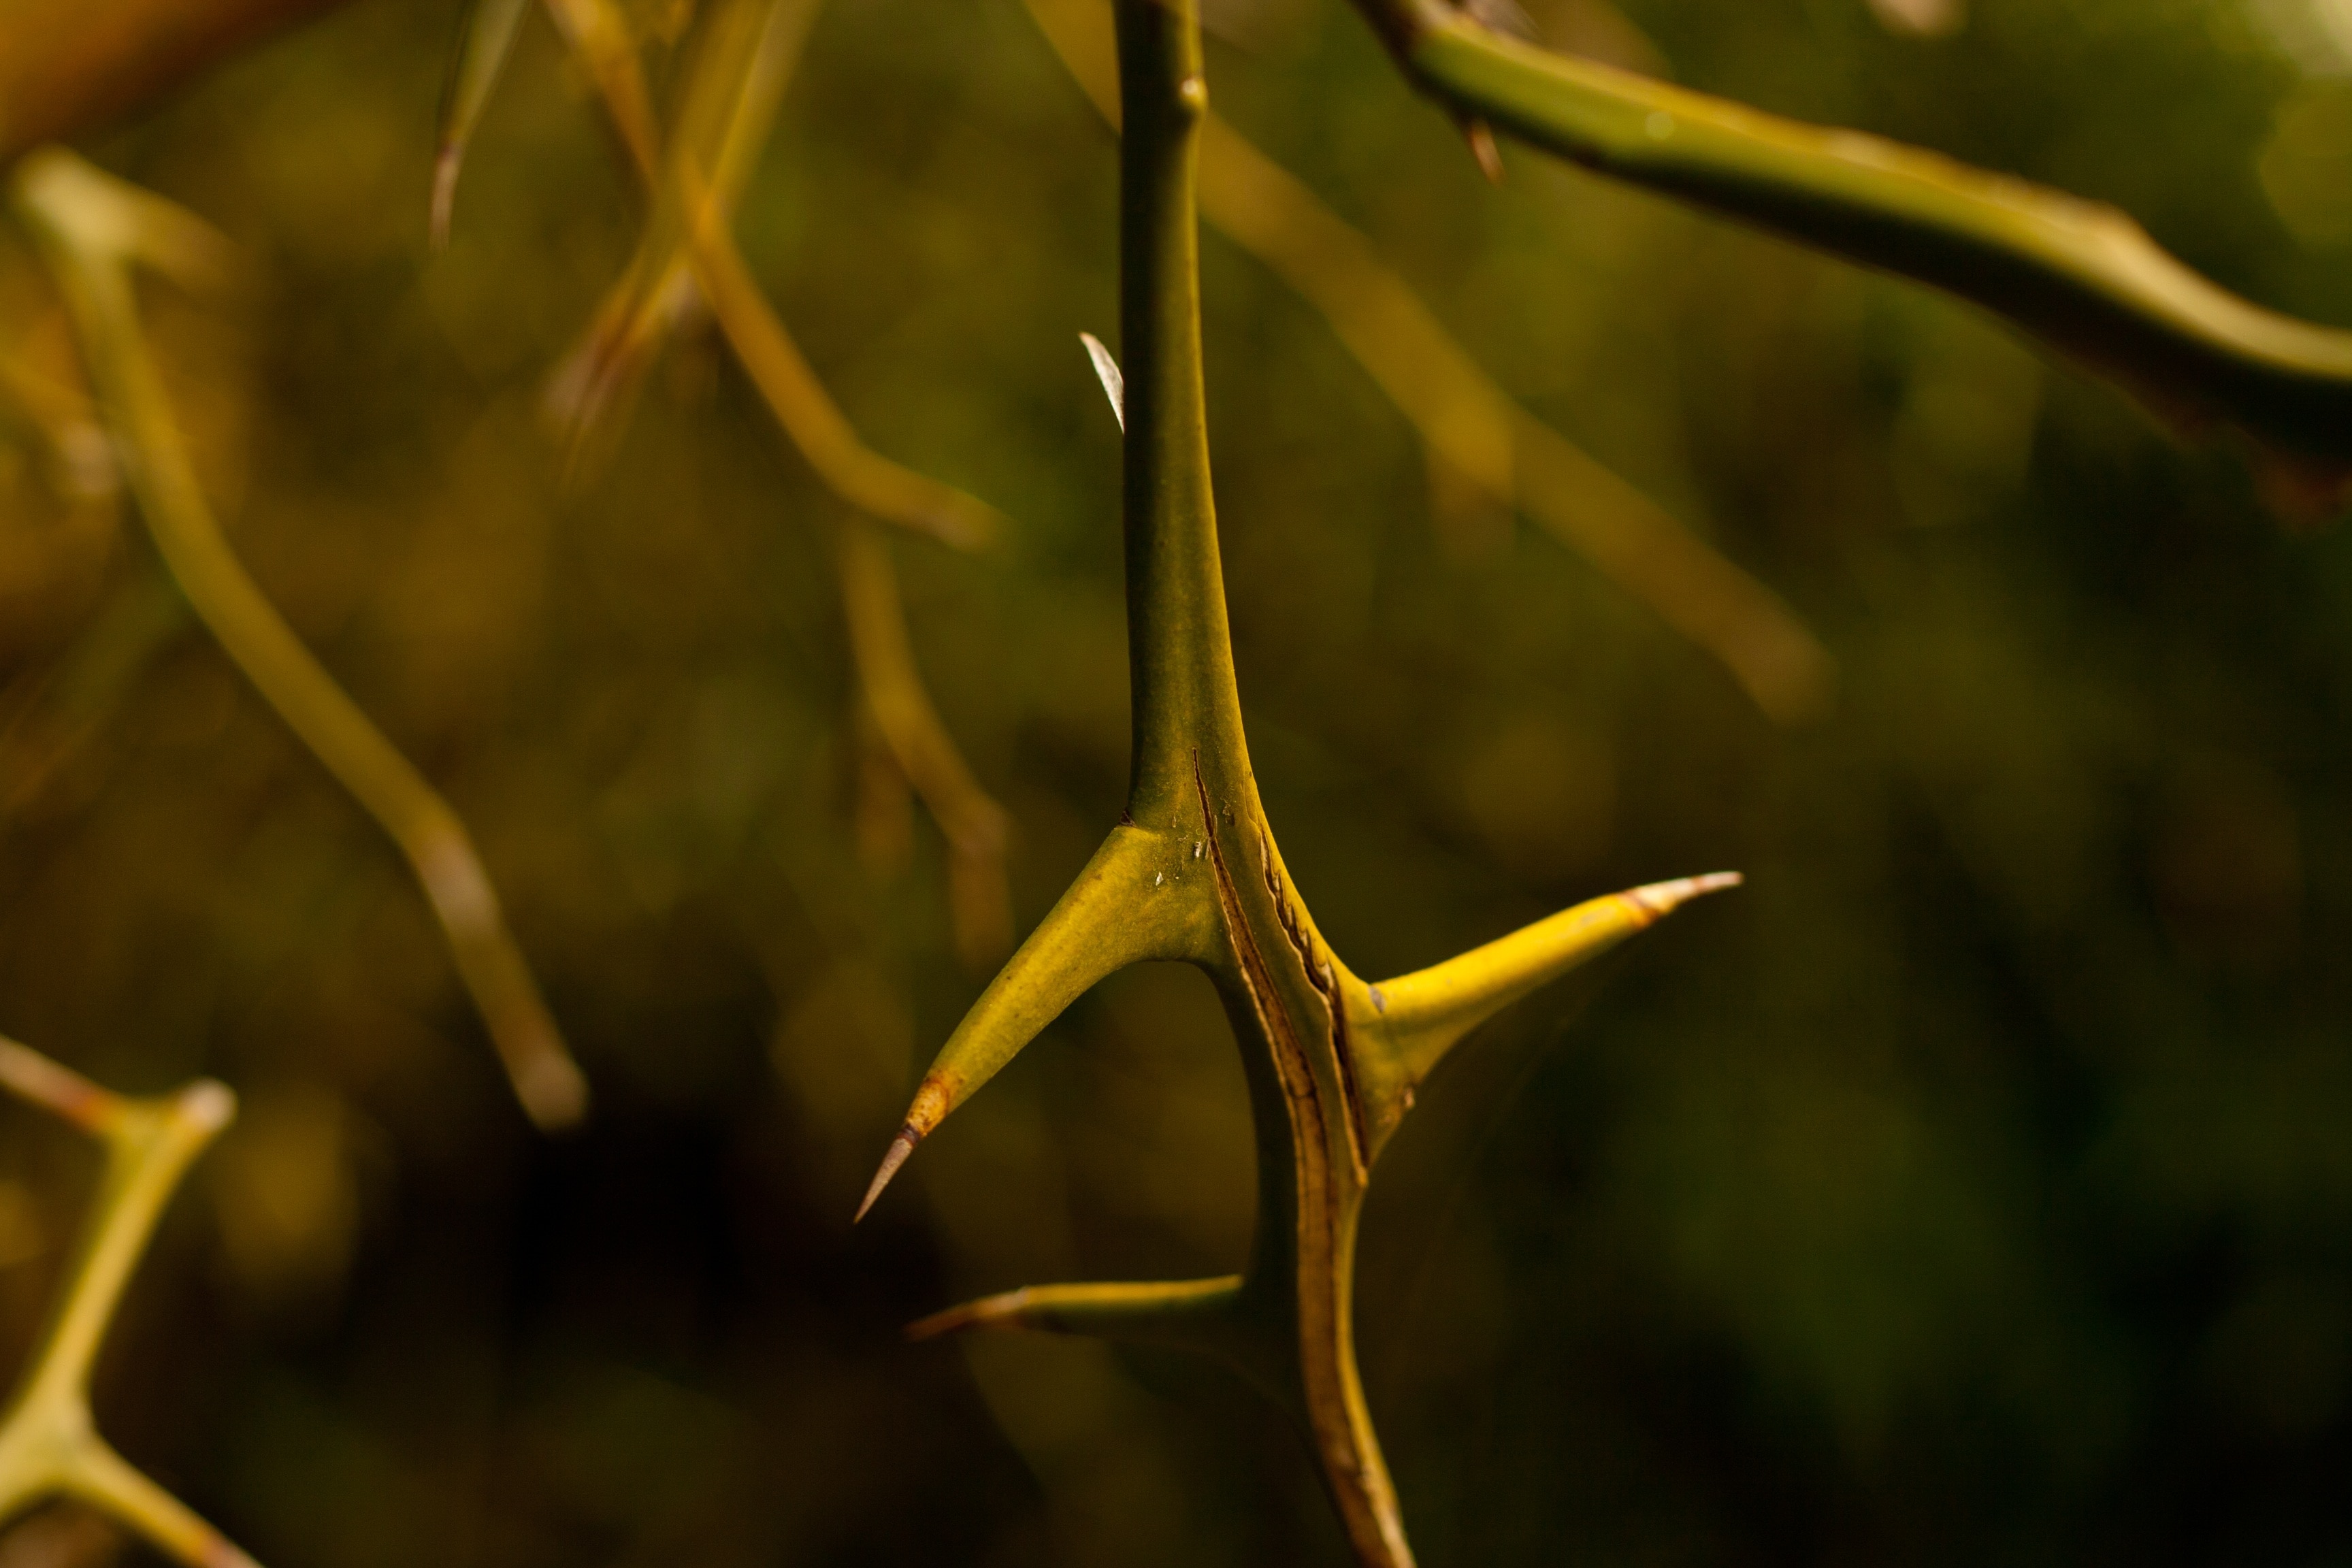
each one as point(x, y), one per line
point(49, 1446)
point(1192, 873)
point(92, 228)
point(1467, 420)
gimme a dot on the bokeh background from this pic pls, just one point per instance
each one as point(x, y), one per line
point(1975, 1185)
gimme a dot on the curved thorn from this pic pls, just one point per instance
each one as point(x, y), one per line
point(1480, 137)
point(1107, 371)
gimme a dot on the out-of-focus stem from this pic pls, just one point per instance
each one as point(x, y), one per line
point(902, 710)
point(815, 424)
point(1467, 421)
point(73, 207)
point(974, 823)
point(598, 37)
point(48, 1444)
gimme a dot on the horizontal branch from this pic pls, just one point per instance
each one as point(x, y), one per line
point(2082, 277)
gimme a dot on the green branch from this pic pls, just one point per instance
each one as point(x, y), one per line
point(49, 1446)
point(1467, 422)
point(2082, 277)
point(92, 228)
point(1191, 872)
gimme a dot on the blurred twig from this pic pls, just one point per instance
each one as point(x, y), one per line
point(49, 1446)
point(1467, 421)
point(740, 69)
point(974, 823)
point(92, 228)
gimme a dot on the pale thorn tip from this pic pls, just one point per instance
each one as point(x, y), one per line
point(900, 1147)
point(1659, 900)
point(208, 1103)
point(1114, 384)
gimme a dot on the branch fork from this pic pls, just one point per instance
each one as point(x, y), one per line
point(1193, 873)
point(49, 1446)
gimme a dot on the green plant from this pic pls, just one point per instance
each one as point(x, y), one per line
point(1334, 1062)
point(49, 1446)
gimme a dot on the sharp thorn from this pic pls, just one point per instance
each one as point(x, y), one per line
point(900, 1147)
point(1660, 899)
point(1107, 370)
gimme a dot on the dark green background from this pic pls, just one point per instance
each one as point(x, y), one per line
point(1975, 1186)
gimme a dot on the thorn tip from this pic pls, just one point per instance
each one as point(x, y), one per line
point(1659, 900)
point(1107, 371)
point(900, 1147)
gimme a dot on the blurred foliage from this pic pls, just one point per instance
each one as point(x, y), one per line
point(1974, 1184)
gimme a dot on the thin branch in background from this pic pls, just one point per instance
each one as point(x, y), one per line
point(91, 227)
point(1468, 422)
point(744, 60)
point(974, 824)
point(49, 1446)
point(487, 38)
point(745, 53)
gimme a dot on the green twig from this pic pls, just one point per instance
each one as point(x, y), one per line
point(2082, 277)
point(1466, 421)
point(49, 1446)
point(741, 66)
point(92, 228)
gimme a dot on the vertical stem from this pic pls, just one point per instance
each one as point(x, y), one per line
point(1179, 659)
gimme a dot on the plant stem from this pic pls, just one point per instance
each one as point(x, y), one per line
point(89, 227)
point(48, 1444)
point(1465, 419)
point(2082, 277)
